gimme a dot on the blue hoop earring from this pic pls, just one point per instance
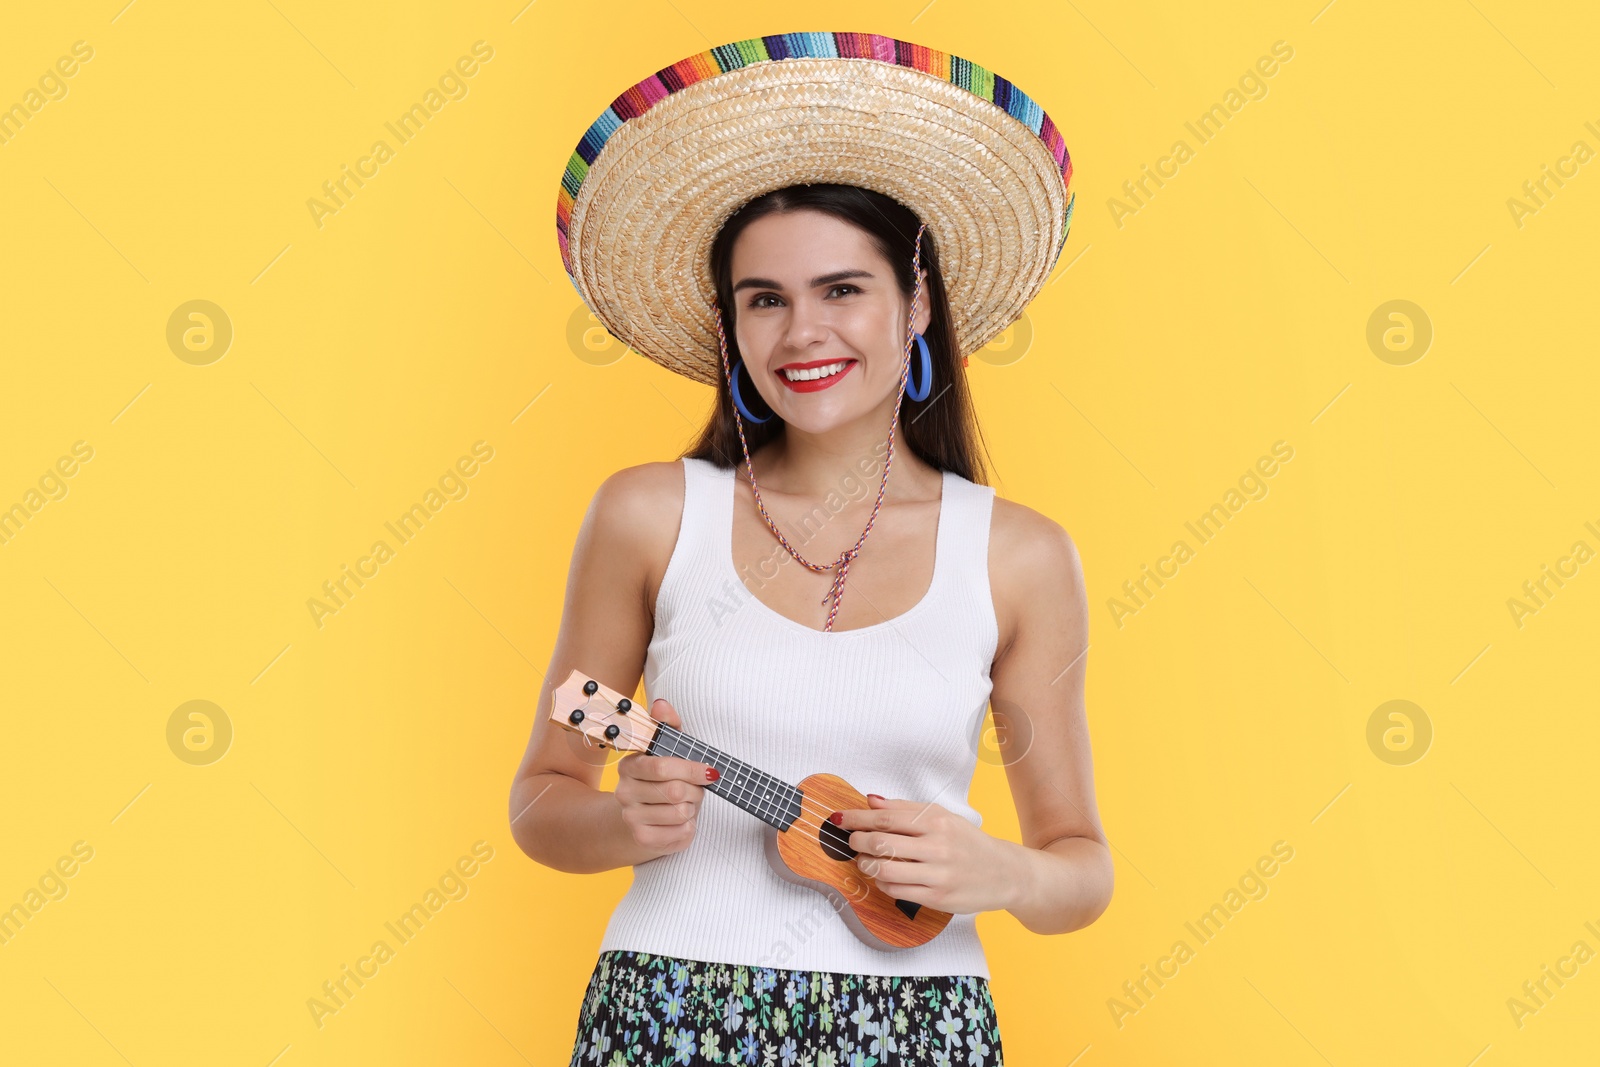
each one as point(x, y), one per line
point(927, 373)
point(738, 401)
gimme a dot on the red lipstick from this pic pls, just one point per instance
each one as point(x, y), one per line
point(812, 385)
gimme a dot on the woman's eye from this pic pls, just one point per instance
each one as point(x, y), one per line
point(756, 302)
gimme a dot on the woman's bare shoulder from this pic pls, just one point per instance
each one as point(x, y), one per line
point(643, 490)
point(1032, 559)
point(635, 517)
point(1025, 542)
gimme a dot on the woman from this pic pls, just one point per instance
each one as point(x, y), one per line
point(817, 305)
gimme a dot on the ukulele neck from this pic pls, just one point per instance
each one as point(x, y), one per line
point(768, 798)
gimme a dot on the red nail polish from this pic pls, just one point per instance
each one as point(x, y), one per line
point(712, 774)
point(837, 818)
point(874, 796)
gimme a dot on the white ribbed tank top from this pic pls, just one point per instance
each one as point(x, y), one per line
point(894, 708)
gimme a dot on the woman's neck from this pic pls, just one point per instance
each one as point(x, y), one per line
point(811, 466)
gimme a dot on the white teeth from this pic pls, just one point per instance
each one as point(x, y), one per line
point(815, 372)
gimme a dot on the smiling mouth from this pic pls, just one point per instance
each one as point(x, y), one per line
point(817, 374)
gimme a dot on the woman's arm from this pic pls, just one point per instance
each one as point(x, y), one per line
point(1063, 870)
point(559, 816)
point(1059, 879)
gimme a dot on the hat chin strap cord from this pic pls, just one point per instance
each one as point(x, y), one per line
point(842, 564)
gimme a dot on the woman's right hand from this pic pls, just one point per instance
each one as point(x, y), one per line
point(661, 795)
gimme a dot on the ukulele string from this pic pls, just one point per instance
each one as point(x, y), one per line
point(770, 807)
point(821, 813)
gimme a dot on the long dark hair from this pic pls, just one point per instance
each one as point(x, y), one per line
point(943, 429)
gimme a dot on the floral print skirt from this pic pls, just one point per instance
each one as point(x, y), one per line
point(649, 1010)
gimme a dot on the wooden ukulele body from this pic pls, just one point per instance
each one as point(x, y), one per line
point(816, 854)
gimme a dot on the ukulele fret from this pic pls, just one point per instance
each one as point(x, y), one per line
point(768, 798)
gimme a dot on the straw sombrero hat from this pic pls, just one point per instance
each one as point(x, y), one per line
point(656, 176)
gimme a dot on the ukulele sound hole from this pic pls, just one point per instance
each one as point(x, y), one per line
point(835, 841)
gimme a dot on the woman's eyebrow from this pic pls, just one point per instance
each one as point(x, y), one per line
point(819, 280)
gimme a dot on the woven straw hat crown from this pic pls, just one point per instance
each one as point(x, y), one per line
point(658, 173)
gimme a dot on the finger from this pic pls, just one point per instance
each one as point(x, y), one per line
point(916, 894)
point(895, 820)
point(668, 837)
point(692, 771)
point(662, 711)
point(668, 791)
point(887, 846)
point(924, 814)
point(650, 768)
point(878, 803)
point(666, 769)
point(666, 814)
point(897, 872)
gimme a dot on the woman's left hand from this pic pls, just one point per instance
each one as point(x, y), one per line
point(929, 855)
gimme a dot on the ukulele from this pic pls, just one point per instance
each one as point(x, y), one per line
point(802, 846)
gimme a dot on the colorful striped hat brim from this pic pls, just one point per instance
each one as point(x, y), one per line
point(657, 174)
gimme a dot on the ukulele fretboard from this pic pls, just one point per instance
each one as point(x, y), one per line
point(770, 799)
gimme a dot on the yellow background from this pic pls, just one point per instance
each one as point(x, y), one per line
point(1168, 353)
